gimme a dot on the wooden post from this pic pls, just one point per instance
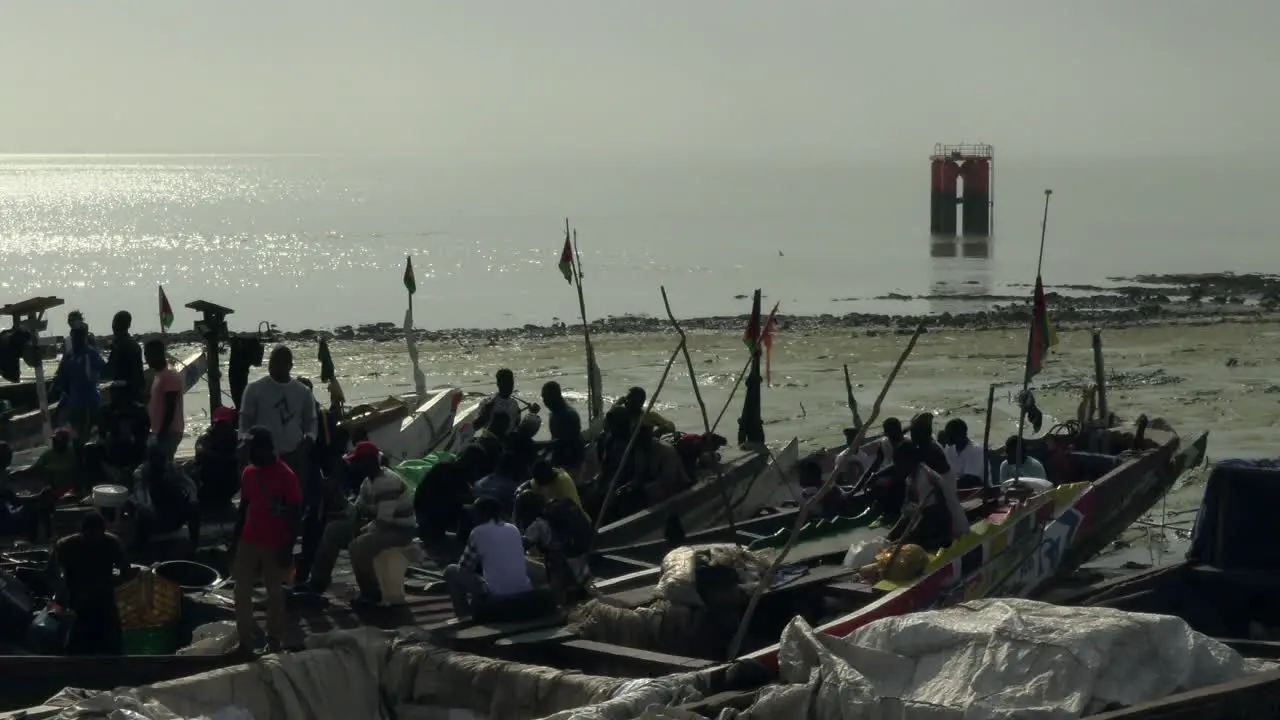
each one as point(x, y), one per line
point(803, 516)
point(1100, 377)
point(986, 437)
point(212, 326)
point(30, 315)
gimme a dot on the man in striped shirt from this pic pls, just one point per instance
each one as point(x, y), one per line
point(382, 518)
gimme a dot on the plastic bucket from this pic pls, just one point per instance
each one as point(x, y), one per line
point(190, 576)
point(110, 497)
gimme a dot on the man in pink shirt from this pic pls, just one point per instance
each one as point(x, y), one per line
point(165, 403)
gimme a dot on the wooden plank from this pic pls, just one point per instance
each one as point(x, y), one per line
point(1254, 696)
point(492, 631)
point(538, 637)
point(31, 305)
point(852, 590)
point(654, 662)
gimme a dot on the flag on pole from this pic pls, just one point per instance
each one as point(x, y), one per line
point(766, 340)
point(566, 259)
point(753, 338)
point(166, 311)
point(410, 283)
point(1043, 335)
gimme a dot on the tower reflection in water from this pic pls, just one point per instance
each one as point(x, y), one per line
point(961, 274)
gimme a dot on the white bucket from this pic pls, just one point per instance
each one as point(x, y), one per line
point(110, 496)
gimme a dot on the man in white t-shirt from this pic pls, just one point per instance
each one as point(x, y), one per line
point(966, 459)
point(1012, 469)
point(932, 516)
point(493, 563)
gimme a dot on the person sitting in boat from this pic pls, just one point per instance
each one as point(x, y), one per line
point(83, 565)
point(612, 445)
point(1017, 466)
point(217, 464)
point(565, 426)
point(809, 476)
point(553, 484)
point(383, 518)
point(58, 467)
point(29, 515)
point(699, 451)
point(77, 378)
point(634, 402)
point(658, 474)
point(493, 563)
point(932, 516)
point(521, 444)
point(440, 501)
point(164, 499)
point(501, 403)
point(854, 462)
point(560, 536)
point(489, 440)
point(967, 460)
point(928, 449)
point(500, 485)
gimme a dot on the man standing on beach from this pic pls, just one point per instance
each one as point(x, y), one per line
point(77, 377)
point(124, 366)
point(503, 403)
point(286, 408)
point(165, 403)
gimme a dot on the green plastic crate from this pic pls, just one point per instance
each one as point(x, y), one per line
point(149, 640)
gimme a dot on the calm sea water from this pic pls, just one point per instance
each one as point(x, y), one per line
point(318, 242)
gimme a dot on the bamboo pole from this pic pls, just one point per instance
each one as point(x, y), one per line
point(631, 443)
point(706, 420)
point(803, 516)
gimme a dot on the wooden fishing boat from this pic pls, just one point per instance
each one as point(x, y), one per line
point(405, 429)
point(1017, 546)
point(1224, 587)
point(25, 430)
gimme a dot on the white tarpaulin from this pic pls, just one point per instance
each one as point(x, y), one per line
point(994, 660)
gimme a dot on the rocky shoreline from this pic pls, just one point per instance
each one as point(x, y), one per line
point(1144, 300)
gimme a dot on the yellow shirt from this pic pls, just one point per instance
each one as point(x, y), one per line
point(562, 489)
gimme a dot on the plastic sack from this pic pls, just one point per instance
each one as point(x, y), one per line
point(413, 471)
point(16, 607)
point(51, 630)
point(216, 638)
point(862, 552)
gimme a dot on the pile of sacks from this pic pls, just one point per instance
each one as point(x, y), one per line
point(697, 603)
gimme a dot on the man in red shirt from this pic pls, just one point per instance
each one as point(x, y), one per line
point(270, 512)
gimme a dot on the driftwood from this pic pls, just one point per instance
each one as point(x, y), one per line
point(803, 516)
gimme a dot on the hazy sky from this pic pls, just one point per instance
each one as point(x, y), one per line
point(488, 80)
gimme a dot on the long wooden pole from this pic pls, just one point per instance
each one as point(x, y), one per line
point(803, 516)
point(594, 403)
point(697, 394)
point(986, 437)
point(631, 443)
point(1031, 336)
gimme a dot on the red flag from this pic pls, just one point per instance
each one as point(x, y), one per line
point(1043, 335)
point(767, 341)
point(566, 259)
point(166, 311)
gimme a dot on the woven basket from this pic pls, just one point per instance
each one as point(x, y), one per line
point(147, 600)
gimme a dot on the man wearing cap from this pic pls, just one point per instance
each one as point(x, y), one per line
point(77, 376)
point(382, 518)
point(217, 467)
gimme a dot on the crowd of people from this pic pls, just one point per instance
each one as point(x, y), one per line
point(512, 501)
point(916, 476)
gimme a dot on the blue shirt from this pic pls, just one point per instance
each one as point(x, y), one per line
point(498, 487)
point(78, 375)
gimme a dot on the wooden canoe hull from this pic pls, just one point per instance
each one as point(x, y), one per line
point(25, 431)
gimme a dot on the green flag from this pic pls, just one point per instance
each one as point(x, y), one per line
point(409, 283)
